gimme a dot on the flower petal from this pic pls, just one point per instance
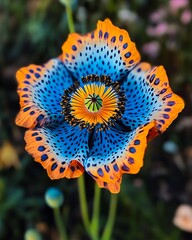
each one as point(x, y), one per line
point(60, 149)
point(106, 51)
point(114, 153)
point(40, 89)
point(150, 98)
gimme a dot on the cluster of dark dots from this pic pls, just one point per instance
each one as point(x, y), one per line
point(64, 142)
point(112, 146)
point(66, 105)
point(155, 80)
point(108, 59)
point(43, 90)
point(139, 103)
point(106, 157)
point(145, 96)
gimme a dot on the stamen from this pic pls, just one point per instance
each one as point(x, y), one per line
point(98, 103)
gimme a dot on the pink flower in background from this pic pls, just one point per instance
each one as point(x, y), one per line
point(158, 15)
point(186, 16)
point(158, 31)
point(176, 5)
point(151, 49)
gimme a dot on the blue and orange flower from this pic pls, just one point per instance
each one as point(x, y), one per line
point(95, 107)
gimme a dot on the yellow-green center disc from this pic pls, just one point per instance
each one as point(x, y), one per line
point(93, 103)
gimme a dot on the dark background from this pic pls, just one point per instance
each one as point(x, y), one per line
point(33, 31)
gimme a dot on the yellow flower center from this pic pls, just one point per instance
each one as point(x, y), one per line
point(97, 102)
point(94, 103)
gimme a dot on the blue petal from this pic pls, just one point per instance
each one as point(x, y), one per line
point(106, 51)
point(114, 153)
point(149, 98)
point(60, 149)
point(141, 99)
point(40, 90)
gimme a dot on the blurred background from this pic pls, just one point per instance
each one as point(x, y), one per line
point(152, 204)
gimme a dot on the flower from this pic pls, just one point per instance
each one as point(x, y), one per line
point(54, 197)
point(151, 49)
point(186, 17)
point(183, 218)
point(8, 156)
point(158, 16)
point(176, 5)
point(159, 30)
point(94, 107)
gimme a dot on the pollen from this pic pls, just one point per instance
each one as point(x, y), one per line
point(98, 102)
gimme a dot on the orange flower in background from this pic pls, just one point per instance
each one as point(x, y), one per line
point(95, 107)
point(183, 218)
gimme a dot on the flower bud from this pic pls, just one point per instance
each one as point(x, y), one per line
point(170, 147)
point(32, 234)
point(54, 197)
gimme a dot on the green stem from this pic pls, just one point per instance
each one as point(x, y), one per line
point(83, 203)
point(59, 224)
point(67, 4)
point(111, 218)
point(95, 217)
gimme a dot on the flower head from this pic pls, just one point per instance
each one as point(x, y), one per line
point(159, 30)
point(95, 107)
point(186, 16)
point(158, 16)
point(151, 49)
point(183, 218)
point(176, 5)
